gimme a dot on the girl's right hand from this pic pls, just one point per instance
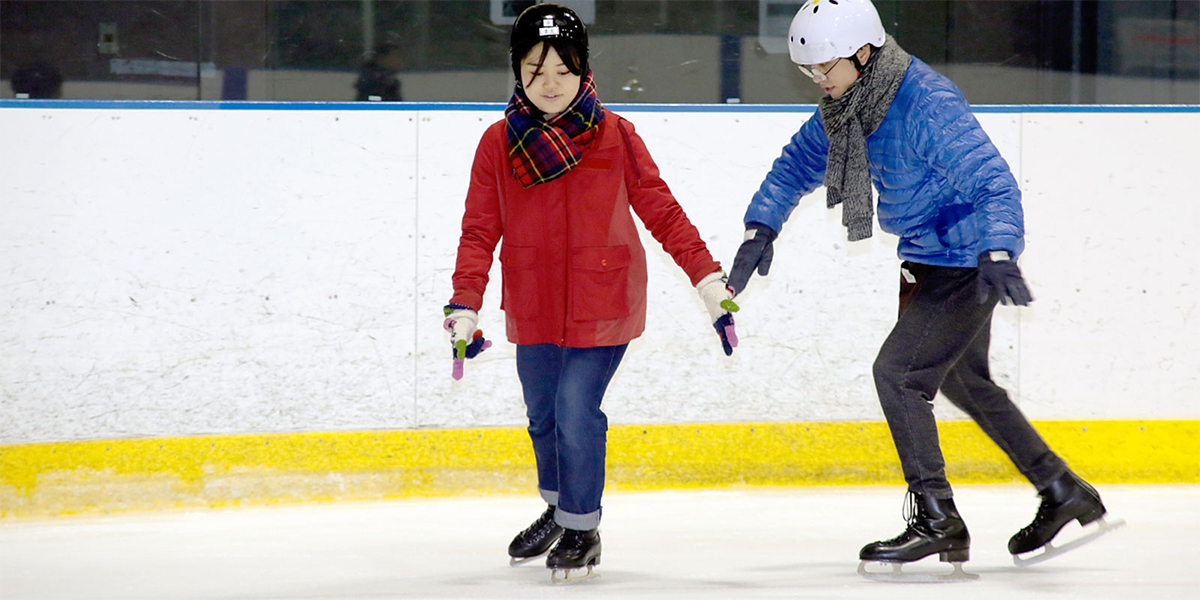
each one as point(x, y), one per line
point(461, 322)
point(466, 340)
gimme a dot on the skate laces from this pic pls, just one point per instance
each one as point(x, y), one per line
point(908, 511)
point(1045, 512)
point(541, 522)
point(573, 539)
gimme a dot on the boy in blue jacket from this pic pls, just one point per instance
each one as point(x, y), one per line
point(891, 120)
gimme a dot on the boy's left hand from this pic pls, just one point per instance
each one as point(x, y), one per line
point(718, 300)
point(1000, 275)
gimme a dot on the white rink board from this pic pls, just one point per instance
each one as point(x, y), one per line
point(185, 271)
point(176, 272)
point(1116, 327)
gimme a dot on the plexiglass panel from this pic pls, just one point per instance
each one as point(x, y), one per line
point(688, 51)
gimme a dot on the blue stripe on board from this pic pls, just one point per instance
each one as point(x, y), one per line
point(499, 106)
point(246, 105)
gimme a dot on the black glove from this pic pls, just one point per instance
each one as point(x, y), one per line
point(724, 327)
point(1003, 277)
point(755, 253)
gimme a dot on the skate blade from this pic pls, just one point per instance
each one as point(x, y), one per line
point(516, 562)
point(572, 575)
point(1050, 551)
point(896, 575)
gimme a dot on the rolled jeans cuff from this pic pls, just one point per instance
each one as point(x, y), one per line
point(550, 497)
point(578, 522)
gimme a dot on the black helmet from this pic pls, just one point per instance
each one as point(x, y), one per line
point(556, 25)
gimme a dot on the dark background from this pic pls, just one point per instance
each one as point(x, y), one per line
point(448, 35)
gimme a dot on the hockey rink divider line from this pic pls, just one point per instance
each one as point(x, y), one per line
point(215, 471)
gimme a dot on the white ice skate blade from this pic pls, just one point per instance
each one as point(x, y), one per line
point(572, 575)
point(896, 575)
point(1050, 551)
point(516, 562)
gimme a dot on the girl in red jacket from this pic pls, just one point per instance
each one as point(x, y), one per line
point(553, 183)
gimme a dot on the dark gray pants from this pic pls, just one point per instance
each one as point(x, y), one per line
point(941, 340)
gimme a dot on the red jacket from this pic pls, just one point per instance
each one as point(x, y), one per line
point(573, 269)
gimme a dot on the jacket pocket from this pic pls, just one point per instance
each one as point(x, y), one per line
point(519, 280)
point(600, 283)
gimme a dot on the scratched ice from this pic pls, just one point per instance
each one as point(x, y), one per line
point(747, 543)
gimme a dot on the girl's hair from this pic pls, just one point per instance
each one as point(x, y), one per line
point(568, 51)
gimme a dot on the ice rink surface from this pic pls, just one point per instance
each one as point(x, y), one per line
point(755, 543)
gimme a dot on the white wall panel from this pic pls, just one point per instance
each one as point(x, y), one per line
point(489, 393)
point(174, 272)
point(1112, 219)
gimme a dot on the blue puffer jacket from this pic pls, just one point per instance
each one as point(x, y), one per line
point(943, 187)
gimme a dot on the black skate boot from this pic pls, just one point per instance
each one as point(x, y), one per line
point(576, 550)
point(536, 539)
point(934, 527)
point(1066, 499)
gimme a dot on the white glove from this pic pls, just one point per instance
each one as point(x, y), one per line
point(716, 296)
point(461, 323)
point(718, 300)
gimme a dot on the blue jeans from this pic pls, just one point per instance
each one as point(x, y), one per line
point(563, 389)
point(941, 340)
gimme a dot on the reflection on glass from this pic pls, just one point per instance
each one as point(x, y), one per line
point(686, 51)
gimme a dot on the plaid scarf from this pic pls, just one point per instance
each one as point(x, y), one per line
point(541, 150)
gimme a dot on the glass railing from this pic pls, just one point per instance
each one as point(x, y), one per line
point(642, 51)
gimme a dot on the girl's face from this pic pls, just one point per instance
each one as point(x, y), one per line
point(552, 87)
point(836, 76)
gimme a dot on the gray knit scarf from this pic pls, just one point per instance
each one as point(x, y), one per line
point(848, 122)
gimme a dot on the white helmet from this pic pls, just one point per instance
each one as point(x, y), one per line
point(823, 30)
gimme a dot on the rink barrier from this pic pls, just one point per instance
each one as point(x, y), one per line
point(112, 476)
point(300, 287)
point(499, 106)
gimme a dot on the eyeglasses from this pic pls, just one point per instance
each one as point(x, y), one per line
point(815, 72)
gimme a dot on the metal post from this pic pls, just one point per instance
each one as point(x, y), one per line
point(368, 25)
point(1076, 50)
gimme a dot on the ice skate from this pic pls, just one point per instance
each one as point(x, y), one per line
point(577, 550)
point(535, 540)
point(1066, 499)
point(934, 527)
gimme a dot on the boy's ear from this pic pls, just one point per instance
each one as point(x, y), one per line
point(864, 53)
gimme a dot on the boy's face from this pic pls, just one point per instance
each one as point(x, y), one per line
point(836, 76)
point(551, 88)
